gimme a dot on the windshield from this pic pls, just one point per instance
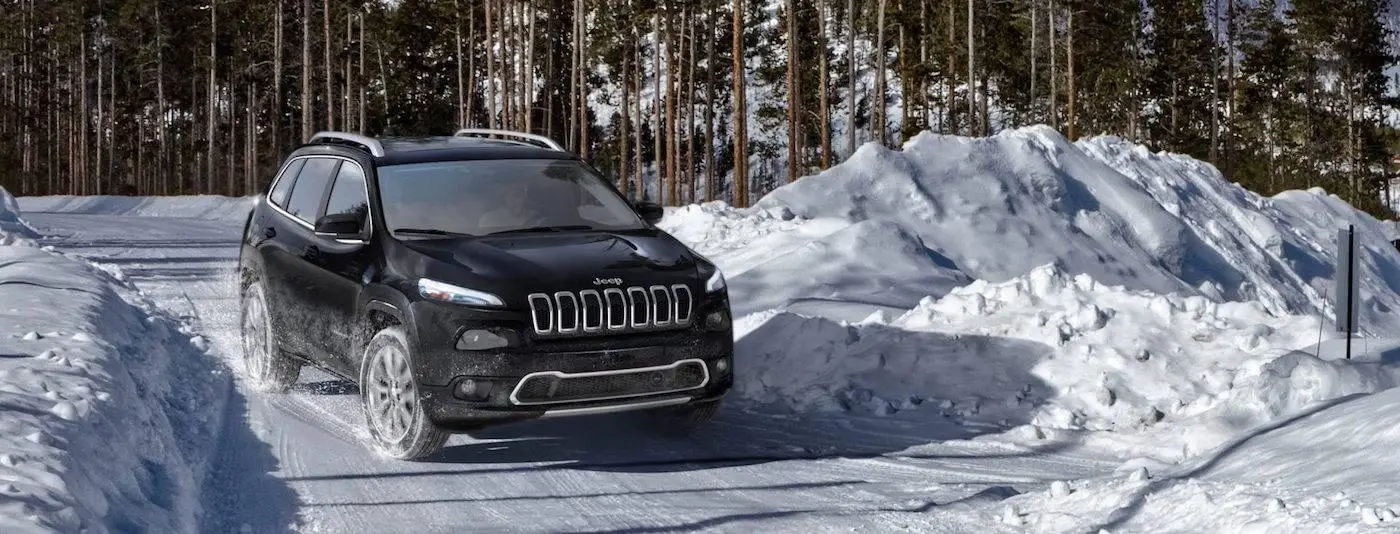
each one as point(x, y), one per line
point(482, 197)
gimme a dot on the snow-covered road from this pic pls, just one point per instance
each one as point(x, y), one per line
point(302, 466)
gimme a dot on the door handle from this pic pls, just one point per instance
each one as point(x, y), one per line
point(270, 232)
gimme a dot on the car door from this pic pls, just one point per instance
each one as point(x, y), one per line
point(286, 253)
point(339, 267)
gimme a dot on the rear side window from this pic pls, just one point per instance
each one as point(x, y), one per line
point(348, 193)
point(305, 202)
point(279, 193)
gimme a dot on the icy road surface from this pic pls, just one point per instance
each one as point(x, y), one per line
point(753, 470)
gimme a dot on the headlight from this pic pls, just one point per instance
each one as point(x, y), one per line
point(435, 290)
point(715, 283)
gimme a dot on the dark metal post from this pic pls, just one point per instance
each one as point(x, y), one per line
point(1351, 292)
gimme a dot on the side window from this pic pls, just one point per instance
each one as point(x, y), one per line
point(348, 193)
point(279, 193)
point(305, 202)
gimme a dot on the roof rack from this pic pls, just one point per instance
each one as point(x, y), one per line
point(370, 144)
point(528, 138)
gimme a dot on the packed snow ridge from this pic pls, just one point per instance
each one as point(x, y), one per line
point(1138, 296)
point(108, 408)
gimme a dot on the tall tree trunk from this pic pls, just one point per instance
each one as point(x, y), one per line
point(467, 116)
point(880, 65)
point(1214, 80)
point(624, 179)
point(574, 88)
point(1032, 53)
point(305, 70)
point(490, 91)
point(672, 72)
point(347, 118)
point(1070, 92)
point(100, 134)
point(823, 87)
point(741, 141)
point(690, 107)
point(384, 82)
point(361, 76)
point(527, 88)
point(794, 104)
point(637, 82)
point(213, 95)
point(851, 82)
point(162, 159)
point(659, 127)
point(710, 103)
point(83, 144)
point(1054, 71)
point(582, 82)
point(971, 75)
point(330, 89)
point(276, 88)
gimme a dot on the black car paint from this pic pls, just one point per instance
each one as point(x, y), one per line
point(328, 296)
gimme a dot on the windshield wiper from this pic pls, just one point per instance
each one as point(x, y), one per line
point(532, 229)
point(431, 231)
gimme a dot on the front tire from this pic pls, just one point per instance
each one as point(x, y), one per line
point(267, 368)
point(398, 425)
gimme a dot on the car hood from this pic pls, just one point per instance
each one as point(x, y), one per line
point(568, 260)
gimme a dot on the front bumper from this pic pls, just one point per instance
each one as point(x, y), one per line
point(439, 367)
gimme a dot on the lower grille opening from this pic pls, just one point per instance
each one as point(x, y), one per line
point(552, 388)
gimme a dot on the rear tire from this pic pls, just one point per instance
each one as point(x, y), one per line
point(398, 425)
point(266, 367)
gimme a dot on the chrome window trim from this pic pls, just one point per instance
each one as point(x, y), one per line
point(281, 174)
point(704, 381)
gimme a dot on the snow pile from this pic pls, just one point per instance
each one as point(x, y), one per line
point(107, 412)
point(13, 229)
point(1117, 290)
point(212, 207)
point(774, 261)
point(1280, 251)
point(1329, 468)
point(1055, 351)
point(1000, 206)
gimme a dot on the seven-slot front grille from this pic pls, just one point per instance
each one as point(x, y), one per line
point(611, 310)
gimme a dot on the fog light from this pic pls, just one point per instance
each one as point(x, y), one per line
point(480, 340)
point(722, 365)
point(718, 320)
point(473, 390)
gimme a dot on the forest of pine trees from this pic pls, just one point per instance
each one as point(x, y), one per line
point(205, 96)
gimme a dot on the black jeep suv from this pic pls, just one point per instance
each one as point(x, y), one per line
point(472, 280)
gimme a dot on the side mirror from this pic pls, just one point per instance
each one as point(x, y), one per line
point(651, 212)
point(340, 225)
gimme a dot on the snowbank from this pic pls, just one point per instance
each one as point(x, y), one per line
point(13, 229)
point(107, 409)
point(1329, 468)
point(1131, 298)
point(196, 206)
point(1058, 353)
